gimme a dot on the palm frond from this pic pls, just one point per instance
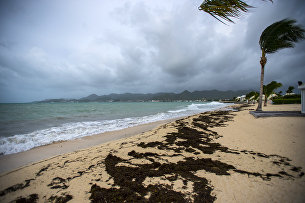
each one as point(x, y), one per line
point(225, 9)
point(280, 35)
point(271, 87)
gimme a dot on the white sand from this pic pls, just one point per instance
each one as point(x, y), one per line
point(260, 146)
point(284, 136)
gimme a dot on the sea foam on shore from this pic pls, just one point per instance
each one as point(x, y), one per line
point(74, 130)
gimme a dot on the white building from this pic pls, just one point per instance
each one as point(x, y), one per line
point(302, 88)
point(241, 98)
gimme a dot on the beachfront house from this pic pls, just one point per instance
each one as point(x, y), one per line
point(241, 98)
point(302, 89)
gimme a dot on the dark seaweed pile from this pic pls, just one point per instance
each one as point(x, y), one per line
point(130, 179)
point(197, 138)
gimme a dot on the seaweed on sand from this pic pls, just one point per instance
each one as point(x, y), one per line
point(195, 137)
point(58, 182)
point(130, 181)
point(30, 199)
point(160, 179)
point(60, 199)
point(16, 187)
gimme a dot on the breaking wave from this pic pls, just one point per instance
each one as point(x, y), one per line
point(74, 130)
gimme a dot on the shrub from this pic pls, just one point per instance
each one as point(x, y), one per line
point(287, 101)
point(292, 96)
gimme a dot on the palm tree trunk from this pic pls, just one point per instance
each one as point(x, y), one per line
point(262, 62)
point(260, 100)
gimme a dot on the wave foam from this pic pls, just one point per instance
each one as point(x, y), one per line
point(200, 107)
point(69, 131)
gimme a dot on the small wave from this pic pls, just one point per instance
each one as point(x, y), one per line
point(196, 107)
point(69, 131)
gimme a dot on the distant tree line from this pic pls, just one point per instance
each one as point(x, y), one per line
point(269, 92)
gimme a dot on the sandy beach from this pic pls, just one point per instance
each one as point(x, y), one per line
point(14, 161)
point(221, 156)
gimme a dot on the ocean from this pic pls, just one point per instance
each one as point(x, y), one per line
point(29, 125)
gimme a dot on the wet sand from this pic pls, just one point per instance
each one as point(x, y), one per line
point(14, 161)
point(222, 156)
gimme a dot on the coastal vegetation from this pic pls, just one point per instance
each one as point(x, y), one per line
point(269, 93)
point(225, 9)
point(290, 90)
point(279, 35)
point(287, 99)
point(269, 90)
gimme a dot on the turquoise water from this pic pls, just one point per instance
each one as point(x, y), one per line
point(24, 126)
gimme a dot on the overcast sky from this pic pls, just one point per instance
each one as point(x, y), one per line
point(73, 48)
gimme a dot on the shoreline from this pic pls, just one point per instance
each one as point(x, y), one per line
point(221, 156)
point(50, 129)
point(17, 160)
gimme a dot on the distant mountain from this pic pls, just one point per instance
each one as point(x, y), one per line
point(91, 97)
point(183, 96)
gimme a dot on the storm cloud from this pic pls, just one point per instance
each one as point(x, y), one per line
point(69, 49)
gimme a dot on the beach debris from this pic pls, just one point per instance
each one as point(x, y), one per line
point(30, 199)
point(60, 199)
point(58, 182)
point(170, 168)
point(16, 187)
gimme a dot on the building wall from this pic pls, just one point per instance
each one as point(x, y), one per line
point(303, 100)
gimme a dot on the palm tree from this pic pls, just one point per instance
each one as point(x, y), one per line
point(269, 89)
point(290, 90)
point(279, 93)
point(279, 35)
point(225, 9)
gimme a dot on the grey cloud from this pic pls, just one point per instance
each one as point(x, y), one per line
point(52, 49)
